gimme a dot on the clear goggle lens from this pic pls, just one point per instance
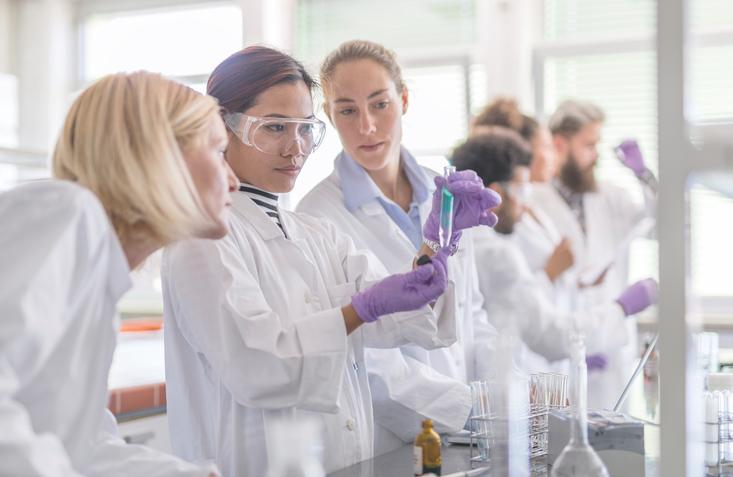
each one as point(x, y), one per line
point(277, 136)
point(521, 194)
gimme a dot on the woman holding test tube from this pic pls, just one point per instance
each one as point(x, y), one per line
point(388, 204)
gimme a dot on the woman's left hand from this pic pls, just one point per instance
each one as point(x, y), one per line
point(471, 204)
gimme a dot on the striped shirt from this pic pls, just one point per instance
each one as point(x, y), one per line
point(267, 201)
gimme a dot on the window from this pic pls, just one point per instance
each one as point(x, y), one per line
point(181, 42)
point(604, 51)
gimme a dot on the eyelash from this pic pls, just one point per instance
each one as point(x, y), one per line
point(380, 105)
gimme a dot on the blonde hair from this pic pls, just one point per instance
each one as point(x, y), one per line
point(124, 139)
point(573, 115)
point(355, 50)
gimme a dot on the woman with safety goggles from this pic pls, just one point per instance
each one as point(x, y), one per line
point(383, 199)
point(266, 323)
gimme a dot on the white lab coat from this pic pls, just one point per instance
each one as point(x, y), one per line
point(254, 333)
point(520, 303)
point(536, 236)
point(63, 271)
point(610, 215)
point(410, 384)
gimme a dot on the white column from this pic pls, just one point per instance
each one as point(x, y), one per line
point(7, 36)
point(269, 22)
point(44, 66)
point(506, 31)
point(680, 388)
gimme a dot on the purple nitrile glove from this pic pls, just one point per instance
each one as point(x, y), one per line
point(630, 155)
point(404, 291)
point(638, 297)
point(596, 362)
point(471, 204)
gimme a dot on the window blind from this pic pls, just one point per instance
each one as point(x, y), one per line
point(624, 84)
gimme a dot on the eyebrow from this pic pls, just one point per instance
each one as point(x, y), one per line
point(348, 100)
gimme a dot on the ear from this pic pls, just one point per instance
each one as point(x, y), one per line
point(561, 144)
point(405, 96)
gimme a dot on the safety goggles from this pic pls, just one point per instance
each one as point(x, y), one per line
point(276, 135)
point(520, 193)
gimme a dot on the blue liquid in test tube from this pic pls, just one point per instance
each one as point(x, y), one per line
point(446, 210)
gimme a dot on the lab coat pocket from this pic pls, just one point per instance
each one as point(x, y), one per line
point(340, 295)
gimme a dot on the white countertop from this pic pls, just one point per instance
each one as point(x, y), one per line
point(138, 360)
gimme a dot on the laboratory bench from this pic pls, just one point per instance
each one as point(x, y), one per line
point(456, 458)
point(643, 404)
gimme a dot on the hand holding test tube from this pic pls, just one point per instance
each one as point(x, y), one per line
point(469, 201)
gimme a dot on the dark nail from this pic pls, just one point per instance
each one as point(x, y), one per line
point(423, 260)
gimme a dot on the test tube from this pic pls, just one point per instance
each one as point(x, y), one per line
point(446, 210)
point(712, 428)
point(480, 427)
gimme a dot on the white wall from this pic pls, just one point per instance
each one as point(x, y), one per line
point(45, 61)
point(7, 34)
point(506, 38)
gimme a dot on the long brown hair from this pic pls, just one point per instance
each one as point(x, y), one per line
point(239, 79)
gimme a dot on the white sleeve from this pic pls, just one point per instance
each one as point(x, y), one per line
point(427, 327)
point(543, 327)
point(219, 306)
point(405, 391)
point(22, 450)
point(38, 267)
point(111, 456)
point(485, 335)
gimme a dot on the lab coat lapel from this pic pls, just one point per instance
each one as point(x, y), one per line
point(295, 250)
point(249, 211)
point(382, 221)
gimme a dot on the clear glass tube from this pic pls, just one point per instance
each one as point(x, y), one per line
point(578, 458)
point(446, 211)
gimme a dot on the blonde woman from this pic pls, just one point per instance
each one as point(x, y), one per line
point(139, 165)
point(382, 198)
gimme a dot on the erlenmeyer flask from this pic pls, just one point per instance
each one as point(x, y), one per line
point(578, 458)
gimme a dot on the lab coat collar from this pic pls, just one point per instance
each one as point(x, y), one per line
point(251, 212)
point(359, 189)
point(119, 280)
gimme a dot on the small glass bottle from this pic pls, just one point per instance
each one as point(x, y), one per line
point(426, 452)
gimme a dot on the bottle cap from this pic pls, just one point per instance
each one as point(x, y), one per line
point(427, 423)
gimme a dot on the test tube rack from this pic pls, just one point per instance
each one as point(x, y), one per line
point(719, 451)
point(533, 424)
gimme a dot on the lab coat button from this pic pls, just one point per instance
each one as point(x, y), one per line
point(350, 424)
point(307, 299)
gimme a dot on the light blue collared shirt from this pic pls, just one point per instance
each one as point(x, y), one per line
point(358, 189)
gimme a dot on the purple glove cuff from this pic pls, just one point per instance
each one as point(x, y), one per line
point(638, 297)
point(596, 362)
point(363, 308)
